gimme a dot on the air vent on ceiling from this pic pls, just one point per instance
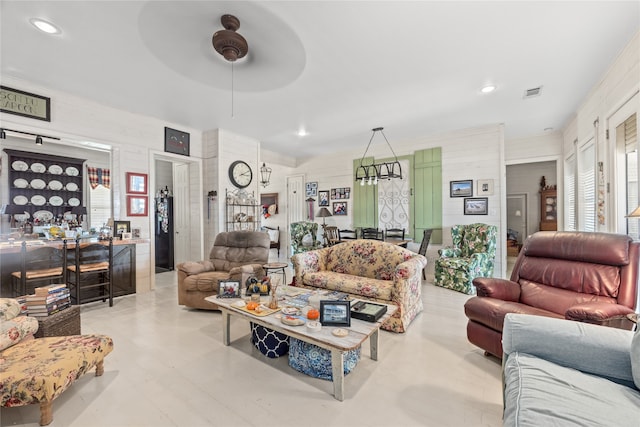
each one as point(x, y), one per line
point(533, 92)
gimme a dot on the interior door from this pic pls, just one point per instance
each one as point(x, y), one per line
point(181, 212)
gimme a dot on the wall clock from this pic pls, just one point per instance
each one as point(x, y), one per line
point(240, 174)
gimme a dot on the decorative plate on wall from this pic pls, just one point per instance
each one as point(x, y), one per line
point(55, 169)
point(43, 216)
point(38, 184)
point(56, 201)
point(74, 202)
point(55, 185)
point(71, 171)
point(20, 200)
point(38, 167)
point(38, 200)
point(72, 186)
point(19, 165)
point(21, 183)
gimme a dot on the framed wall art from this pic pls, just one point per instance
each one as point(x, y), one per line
point(476, 206)
point(339, 208)
point(136, 183)
point(312, 189)
point(461, 188)
point(340, 193)
point(25, 104)
point(323, 198)
point(484, 187)
point(176, 141)
point(137, 205)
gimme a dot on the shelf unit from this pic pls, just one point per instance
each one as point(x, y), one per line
point(242, 211)
point(62, 177)
point(548, 210)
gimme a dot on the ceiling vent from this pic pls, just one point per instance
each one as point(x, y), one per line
point(533, 92)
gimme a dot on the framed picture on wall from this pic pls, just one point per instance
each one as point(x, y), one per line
point(176, 141)
point(339, 208)
point(485, 187)
point(323, 198)
point(476, 206)
point(120, 227)
point(312, 189)
point(461, 188)
point(136, 183)
point(137, 205)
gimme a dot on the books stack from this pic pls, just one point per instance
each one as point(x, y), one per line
point(48, 300)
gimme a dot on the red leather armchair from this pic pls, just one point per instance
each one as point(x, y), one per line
point(587, 277)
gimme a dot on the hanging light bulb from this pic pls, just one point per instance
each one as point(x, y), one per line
point(375, 180)
point(370, 181)
point(362, 183)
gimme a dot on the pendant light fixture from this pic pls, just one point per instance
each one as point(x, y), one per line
point(372, 173)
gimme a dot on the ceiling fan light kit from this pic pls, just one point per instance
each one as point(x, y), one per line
point(228, 43)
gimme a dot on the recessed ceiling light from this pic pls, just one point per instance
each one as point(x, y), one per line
point(44, 26)
point(302, 132)
point(488, 89)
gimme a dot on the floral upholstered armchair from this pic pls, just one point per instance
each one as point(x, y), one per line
point(472, 255)
point(304, 237)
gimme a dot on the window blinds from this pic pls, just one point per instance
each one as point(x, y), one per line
point(570, 193)
point(587, 186)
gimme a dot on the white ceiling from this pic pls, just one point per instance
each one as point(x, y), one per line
point(334, 68)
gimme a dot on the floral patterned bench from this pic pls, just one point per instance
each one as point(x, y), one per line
point(367, 269)
point(37, 370)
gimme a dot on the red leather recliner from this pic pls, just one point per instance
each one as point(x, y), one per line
point(587, 277)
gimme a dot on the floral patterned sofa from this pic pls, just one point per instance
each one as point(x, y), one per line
point(37, 370)
point(368, 269)
point(472, 255)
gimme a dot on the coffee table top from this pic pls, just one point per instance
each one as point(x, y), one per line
point(359, 330)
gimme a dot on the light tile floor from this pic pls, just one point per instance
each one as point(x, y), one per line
point(169, 368)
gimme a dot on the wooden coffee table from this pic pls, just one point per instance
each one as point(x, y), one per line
point(359, 331)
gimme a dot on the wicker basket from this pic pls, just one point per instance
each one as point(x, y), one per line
point(65, 322)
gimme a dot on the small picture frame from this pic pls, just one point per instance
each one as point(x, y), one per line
point(137, 205)
point(312, 189)
point(228, 289)
point(136, 232)
point(340, 193)
point(127, 236)
point(461, 188)
point(339, 208)
point(121, 227)
point(176, 141)
point(335, 313)
point(484, 187)
point(136, 183)
point(476, 206)
point(323, 198)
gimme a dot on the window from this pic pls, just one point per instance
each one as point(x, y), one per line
point(570, 193)
point(99, 206)
point(587, 186)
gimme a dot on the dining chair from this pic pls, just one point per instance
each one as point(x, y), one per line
point(426, 237)
point(39, 266)
point(372, 233)
point(331, 235)
point(347, 234)
point(395, 233)
point(89, 278)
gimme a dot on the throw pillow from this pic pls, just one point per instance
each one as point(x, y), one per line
point(9, 308)
point(635, 357)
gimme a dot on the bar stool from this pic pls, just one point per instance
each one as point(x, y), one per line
point(276, 268)
point(89, 278)
point(39, 266)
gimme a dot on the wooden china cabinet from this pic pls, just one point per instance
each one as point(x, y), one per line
point(548, 209)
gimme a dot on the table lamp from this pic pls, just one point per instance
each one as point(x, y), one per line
point(324, 213)
point(635, 213)
point(11, 210)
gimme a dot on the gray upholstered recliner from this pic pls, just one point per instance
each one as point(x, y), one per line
point(236, 255)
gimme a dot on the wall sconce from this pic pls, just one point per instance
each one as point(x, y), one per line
point(38, 140)
point(518, 213)
point(265, 175)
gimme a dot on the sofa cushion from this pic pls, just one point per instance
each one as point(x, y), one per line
point(635, 357)
point(366, 258)
point(491, 311)
point(14, 330)
point(356, 285)
point(555, 299)
point(9, 308)
point(537, 394)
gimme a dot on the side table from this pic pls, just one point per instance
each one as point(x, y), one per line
point(62, 323)
point(276, 268)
